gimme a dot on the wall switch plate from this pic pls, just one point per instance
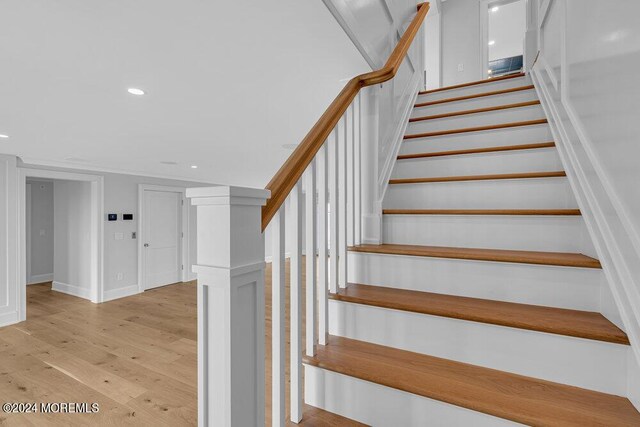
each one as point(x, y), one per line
point(119, 236)
point(119, 276)
point(460, 67)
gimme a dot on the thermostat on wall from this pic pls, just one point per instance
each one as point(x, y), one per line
point(112, 217)
point(127, 217)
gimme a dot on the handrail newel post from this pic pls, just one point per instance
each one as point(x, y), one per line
point(230, 268)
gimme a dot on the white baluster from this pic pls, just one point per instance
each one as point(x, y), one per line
point(310, 208)
point(333, 211)
point(321, 165)
point(295, 228)
point(357, 171)
point(278, 306)
point(350, 141)
point(342, 202)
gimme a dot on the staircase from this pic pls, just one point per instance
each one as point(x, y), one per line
point(482, 305)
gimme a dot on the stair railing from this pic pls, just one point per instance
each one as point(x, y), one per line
point(230, 259)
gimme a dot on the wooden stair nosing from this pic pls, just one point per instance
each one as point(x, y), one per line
point(533, 146)
point(488, 212)
point(561, 259)
point(559, 321)
point(475, 111)
point(474, 83)
point(527, 175)
point(476, 129)
point(477, 95)
point(502, 394)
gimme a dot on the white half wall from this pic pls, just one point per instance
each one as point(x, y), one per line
point(8, 240)
point(72, 238)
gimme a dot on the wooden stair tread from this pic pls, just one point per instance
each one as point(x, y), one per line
point(515, 397)
point(475, 111)
point(476, 95)
point(539, 212)
point(574, 323)
point(477, 129)
point(549, 144)
point(498, 255)
point(526, 175)
point(474, 83)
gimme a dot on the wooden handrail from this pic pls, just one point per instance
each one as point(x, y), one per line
point(291, 171)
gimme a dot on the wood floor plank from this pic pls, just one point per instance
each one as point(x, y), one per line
point(498, 255)
point(574, 323)
point(144, 346)
point(518, 398)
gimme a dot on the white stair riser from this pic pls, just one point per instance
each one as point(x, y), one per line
point(476, 89)
point(510, 115)
point(381, 406)
point(537, 233)
point(469, 104)
point(487, 138)
point(532, 193)
point(536, 160)
point(552, 357)
point(552, 286)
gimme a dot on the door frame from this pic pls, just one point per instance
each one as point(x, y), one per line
point(97, 230)
point(484, 32)
point(184, 241)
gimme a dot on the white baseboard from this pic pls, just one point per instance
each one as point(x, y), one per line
point(9, 318)
point(40, 278)
point(76, 291)
point(127, 291)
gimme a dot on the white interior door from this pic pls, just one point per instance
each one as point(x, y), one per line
point(161, 234)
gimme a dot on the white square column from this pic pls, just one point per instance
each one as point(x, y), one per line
point(230, 268)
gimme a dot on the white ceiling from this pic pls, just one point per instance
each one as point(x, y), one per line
point(506, 27)
point(228, 83)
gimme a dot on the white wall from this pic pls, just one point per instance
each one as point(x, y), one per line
point(461, 41)
point(121, 256)
point(41, 206)
point(433, 54)
point(8, 240)
point(586, 75)
point(72, 238)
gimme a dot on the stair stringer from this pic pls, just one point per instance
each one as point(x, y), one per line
point(615, 241)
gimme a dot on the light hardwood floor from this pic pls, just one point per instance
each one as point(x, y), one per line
point(135, 356)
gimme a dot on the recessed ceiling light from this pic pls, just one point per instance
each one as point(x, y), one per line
point(3, 136)
point(489, 71)
point(194, 167)
point(494, 9)
point(492, 42)
point(135, 91)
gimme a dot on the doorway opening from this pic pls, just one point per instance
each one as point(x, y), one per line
point(503, 26)
point(60, 233)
